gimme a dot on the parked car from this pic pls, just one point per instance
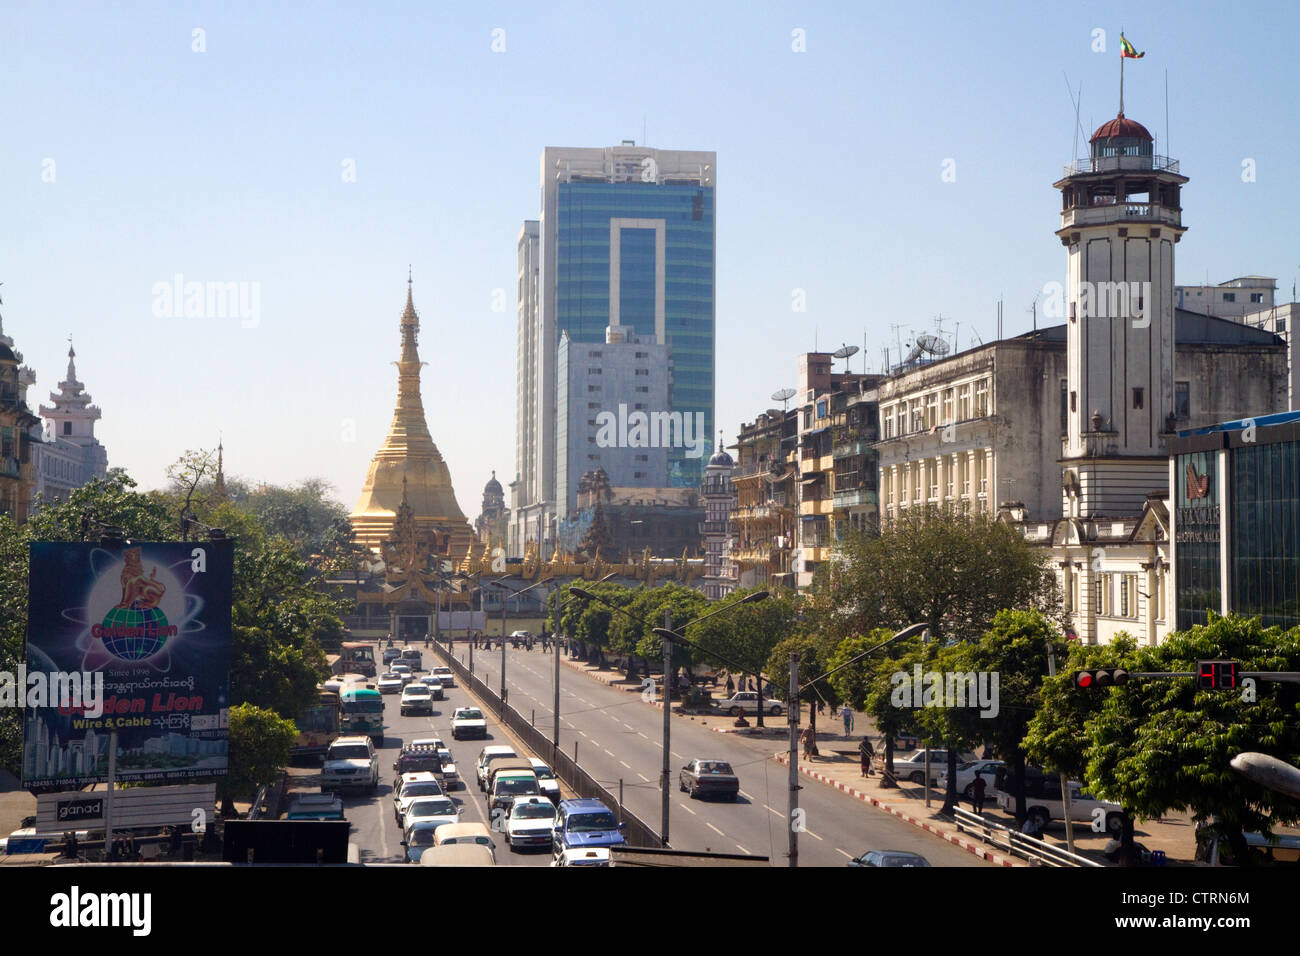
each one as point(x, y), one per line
point(1084, 807)
point(584, 824)
point(546, 780)
point(468, 722)
point(708, 778)
point(912, 766)
point(416, 699)
point(390, 683)
point(444, 674)
point(889, 858)
point(746, 702)
point(530, 823)
point(350, 763)
point(987, 769)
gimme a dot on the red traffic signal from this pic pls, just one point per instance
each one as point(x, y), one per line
point(1216, 675)
point(1087, 680)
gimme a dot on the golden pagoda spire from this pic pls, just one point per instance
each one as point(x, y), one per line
point(408, 450)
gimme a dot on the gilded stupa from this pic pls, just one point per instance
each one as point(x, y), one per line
point(408, 469)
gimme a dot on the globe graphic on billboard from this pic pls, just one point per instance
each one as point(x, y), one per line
point(134, 634)
point(136, 628)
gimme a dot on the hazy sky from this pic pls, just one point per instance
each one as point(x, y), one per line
point(128, 158)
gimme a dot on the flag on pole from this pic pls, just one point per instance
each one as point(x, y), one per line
point(1127, 49)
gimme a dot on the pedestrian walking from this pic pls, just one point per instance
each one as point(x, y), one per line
point(821, 706)
point(731, 686)
point(846, 714)
point(977, 793)
point(810, 744)
point(867, 752)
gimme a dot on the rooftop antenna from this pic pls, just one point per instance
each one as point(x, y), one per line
point(1168, 151)
point(783, 395)
point(1033, 309)
point(899, 338)
point(845, 352)
point(1076, 101)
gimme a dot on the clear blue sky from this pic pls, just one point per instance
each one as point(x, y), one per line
point(226, 166)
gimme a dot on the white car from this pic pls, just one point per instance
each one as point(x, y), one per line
point(546, 781)
point(445, 675)
point(987, 769)
point(416, 699)
point(1084, 808)
point(350, 762)
point(404, 672)
point(912, 767)
point(390, 683)
point(429, 811)
point(411, 787)
point(485, 758)
point(468, 722)
point(435, 686)
point(583, 856)
point(530, 823)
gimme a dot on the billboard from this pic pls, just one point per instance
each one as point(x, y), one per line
point(134, 640)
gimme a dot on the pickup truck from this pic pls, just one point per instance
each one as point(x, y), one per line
point(315, 806)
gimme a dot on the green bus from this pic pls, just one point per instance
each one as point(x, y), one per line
point(363, 713)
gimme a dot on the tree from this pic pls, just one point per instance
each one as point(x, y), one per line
point(748, 634)
point(813, 665)
point(869, 685)
point(952, 571)
point(186, 474)
point(260, 740)
point(1161, 744)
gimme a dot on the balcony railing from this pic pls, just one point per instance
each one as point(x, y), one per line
point(713, 527)
point(849, 449)
point(856, 496)
point(1121, 212)
point(10, 468)
point(1108, 164)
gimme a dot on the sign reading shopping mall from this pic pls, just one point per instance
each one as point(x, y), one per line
point(134, 640)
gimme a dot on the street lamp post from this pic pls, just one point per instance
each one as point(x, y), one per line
point(795, 690)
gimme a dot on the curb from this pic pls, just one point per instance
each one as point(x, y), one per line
point(957, 839)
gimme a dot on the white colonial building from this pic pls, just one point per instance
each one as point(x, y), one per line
point(69, 454)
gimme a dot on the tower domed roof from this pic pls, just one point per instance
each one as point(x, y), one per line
point(722, 459)
point(493, 486)
point(1121, 127)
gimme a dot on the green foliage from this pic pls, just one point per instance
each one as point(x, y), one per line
point(746, 634)
point(1156, 745)
point(814, 662)
point(260, 740)
point(952, 571)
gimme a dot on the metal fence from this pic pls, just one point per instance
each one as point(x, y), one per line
point(1032, 849)
point(638, 833)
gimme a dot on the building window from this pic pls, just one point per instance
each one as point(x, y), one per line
point(1229, 297)
point(963, 403)
point(67, 428)
point(1065, 406)
point(643, 388)
point(643, 371)
point(1074, 403)
point(594, 354)
point(595, 405)
point(642, 457)
point(1138, 397)
point(593, 371)
point(932, 410)
point(1182, 400)
point(593, 388)
point(639, 406)
point(981, 398)
point(638, 474)
point(947, 404)
point(642, 354)
point(1257, 297)
point(1123, 596)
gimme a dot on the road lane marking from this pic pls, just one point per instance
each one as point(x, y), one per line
point(644, 777)
point(625, 763)
point(639, 734)
point(743, 850)
point(746, 795)
point(583, 732)
point(849, 855)
point(811, 834)
point(775, 812)
point(628, 726)
point(689, 810)
point(713, 828)
point(612, 754)
point(677, 755)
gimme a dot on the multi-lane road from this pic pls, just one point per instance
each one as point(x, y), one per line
point(619, 738)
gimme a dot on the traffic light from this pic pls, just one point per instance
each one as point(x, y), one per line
point(1216, 675)
point(1088, 680)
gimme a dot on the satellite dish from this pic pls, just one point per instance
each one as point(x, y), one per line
point(845, 352)
point(932, 344)
point(783, 395)
point(913, 355)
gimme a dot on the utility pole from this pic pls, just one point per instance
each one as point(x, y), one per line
point(666, 775)
point(793, 701)
point(1065, 784)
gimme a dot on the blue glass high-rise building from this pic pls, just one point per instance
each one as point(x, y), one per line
point(626, 238)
